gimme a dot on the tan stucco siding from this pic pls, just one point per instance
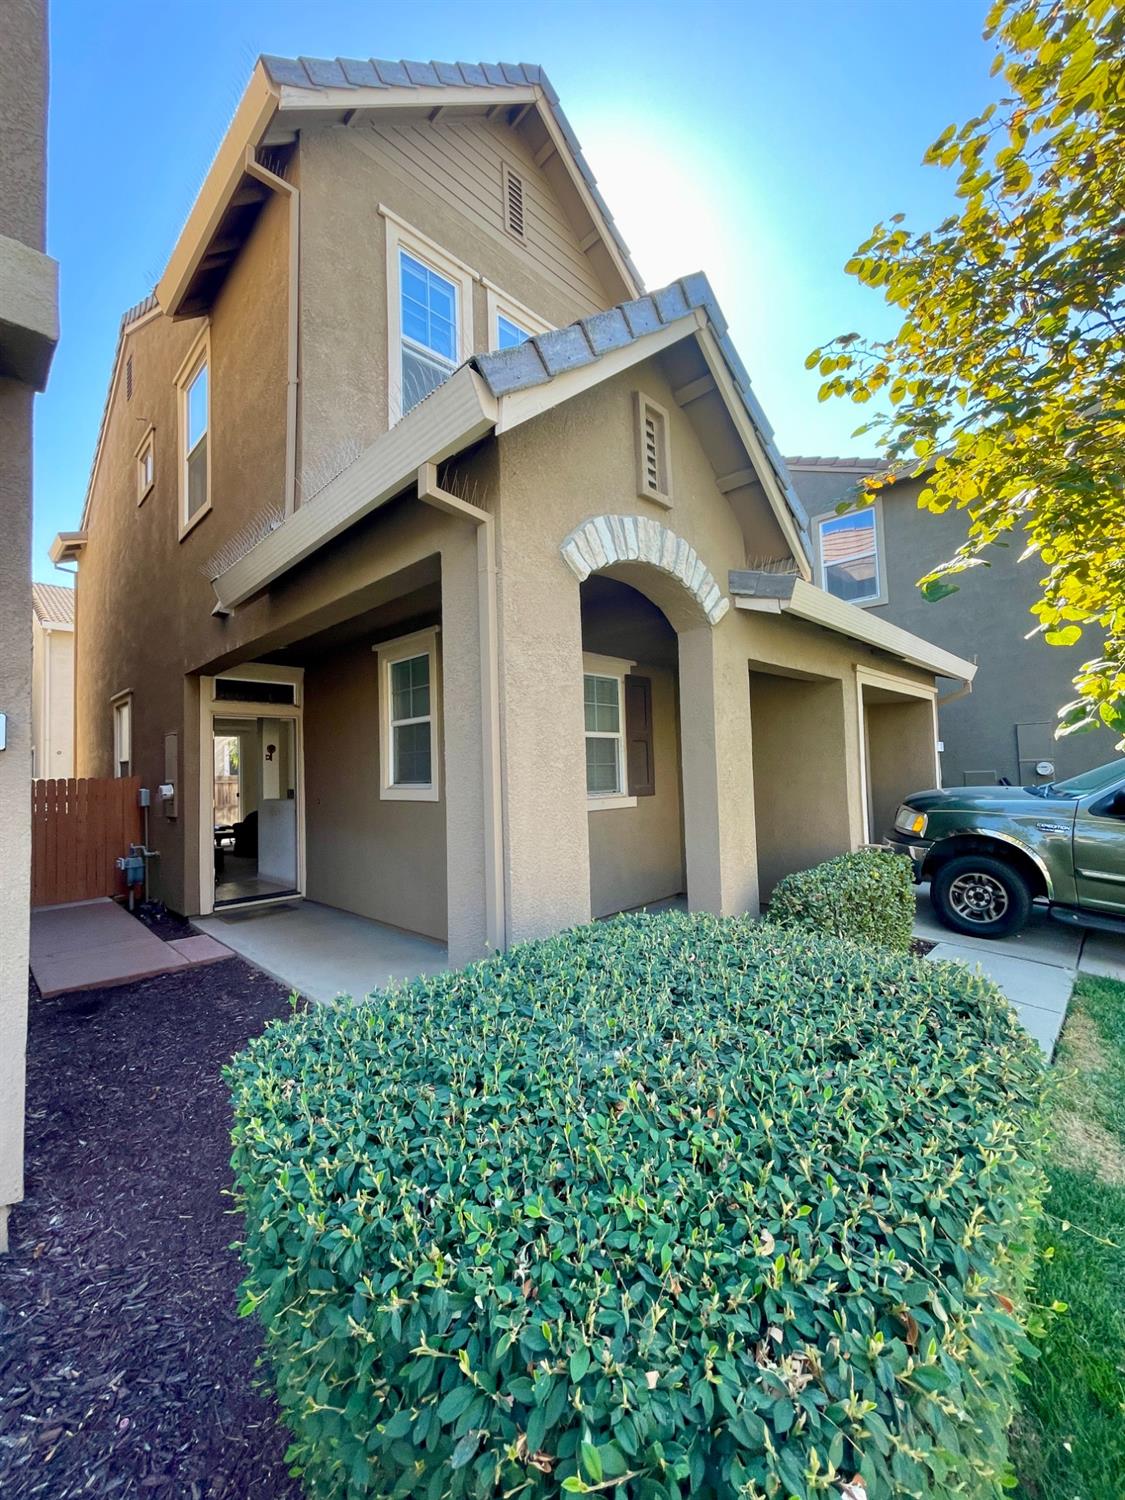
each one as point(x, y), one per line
point(901, 757)
point(636, 853)
point(444, 181)
point(381, 859)
point(52, 701)
point(15, 774)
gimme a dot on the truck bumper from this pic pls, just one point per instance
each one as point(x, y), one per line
point(915, 852)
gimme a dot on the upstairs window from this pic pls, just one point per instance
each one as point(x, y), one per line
point(194, 385)
point(849, 556)
point(429, 328)
point(509, 334)
point(146, 465)
point(509, 322)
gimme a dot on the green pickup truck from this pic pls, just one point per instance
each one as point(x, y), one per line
point(990, 851)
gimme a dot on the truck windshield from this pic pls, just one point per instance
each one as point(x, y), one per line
point(1089, 781)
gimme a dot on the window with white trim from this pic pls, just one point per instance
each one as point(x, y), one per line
point(194, 387)
point(603, 706)
point(146, 465)
point(409, 696)
point(848, 551)
point(509, 322)
point(123, 735)
point(429, 320)
point(509, 334)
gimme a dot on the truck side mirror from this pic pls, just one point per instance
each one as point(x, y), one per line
point(1114, 805)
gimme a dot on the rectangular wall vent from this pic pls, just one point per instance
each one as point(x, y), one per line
point(129, 378)
point(513, 203)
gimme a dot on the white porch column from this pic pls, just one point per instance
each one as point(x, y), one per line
point(718, 777)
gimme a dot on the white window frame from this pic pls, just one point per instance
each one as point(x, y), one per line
point(500, 305)
point(644, 407)
point(617, 668)
point(119, 702)
point(388, 653)
point(198, 356)
point(402, 236)
point(146, 448)
point(872, 601)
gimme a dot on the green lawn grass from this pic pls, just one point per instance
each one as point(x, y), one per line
point(1069, 1441)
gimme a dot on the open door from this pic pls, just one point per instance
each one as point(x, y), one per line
point(255, 808)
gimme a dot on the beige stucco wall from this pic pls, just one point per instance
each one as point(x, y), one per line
point(52, 701)
point(379, 858)
point(800, 773)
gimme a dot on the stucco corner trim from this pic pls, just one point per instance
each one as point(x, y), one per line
point(604, 541)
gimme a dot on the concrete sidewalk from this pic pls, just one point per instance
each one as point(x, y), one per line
point(1036, 969)
point(88, 945)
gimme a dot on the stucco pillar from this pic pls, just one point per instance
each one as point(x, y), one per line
point(718, 778)
point(464, 728)
point(15, 780)
point(546, 829)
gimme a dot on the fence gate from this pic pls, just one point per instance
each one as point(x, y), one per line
point(78, 829)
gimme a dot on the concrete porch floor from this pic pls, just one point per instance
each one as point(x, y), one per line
point(322, 952)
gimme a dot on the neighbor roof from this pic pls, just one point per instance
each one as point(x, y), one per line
point(53, 603)
point(540, 359)
point(378, 73)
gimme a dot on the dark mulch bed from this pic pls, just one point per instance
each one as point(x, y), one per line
point(124, 1369)
point(921, 946)
point(167, 925)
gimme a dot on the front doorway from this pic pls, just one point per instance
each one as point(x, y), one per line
point(252, 831)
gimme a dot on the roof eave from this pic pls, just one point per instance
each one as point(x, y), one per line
point(803, 600)
point(252, 118)
point(67, 547)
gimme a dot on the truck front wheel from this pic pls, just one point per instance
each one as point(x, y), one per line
point(980, 896)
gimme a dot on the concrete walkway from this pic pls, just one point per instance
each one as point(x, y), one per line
point(87, 945)
point(1036, 969)
point(324, 953)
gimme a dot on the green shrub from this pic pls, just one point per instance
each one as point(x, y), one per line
point(867, 897)
point(666, 1205)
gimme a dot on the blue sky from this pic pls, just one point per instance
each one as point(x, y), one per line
point(758, 141)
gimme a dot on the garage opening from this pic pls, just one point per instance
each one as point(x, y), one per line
point(800, 767)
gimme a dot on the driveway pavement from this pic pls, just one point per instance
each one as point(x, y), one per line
point(1036, 969)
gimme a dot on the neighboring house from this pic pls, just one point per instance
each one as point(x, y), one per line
point(497, 627)
point(873, 556)
point(52, 680)
point(28, 333)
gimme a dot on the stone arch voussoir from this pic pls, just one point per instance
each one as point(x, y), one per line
point(606, 541)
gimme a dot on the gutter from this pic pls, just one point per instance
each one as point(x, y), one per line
point(431, 493)
point(254, 168)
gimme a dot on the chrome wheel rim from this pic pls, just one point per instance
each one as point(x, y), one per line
point(978, 898)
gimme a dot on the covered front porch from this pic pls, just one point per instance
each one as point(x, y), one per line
point(322, 952)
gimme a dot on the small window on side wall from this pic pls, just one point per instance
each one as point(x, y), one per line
point(146, 465)
point(409, 718)
point(123, 735)
point(848, 547)
point(653, 462)
point(193, 384)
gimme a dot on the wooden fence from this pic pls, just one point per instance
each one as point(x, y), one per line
point(78, 830)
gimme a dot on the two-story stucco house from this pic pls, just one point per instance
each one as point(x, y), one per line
point(437, 571)
point(873, 556)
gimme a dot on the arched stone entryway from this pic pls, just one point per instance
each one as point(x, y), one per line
point(604, 543)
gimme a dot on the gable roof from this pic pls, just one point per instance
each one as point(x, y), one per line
point(52, 603)
point(585, 342)
point(476, 400)
point(286, 93)
point(139, 313)
point(375, 72)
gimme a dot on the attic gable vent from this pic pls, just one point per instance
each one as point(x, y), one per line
point(653, 478)
point(513, 202)
point(129, 378)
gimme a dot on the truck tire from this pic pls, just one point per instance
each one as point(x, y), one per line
point(980, 896)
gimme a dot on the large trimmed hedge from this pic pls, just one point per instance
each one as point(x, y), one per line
point(666, 1206)
point(867, 896)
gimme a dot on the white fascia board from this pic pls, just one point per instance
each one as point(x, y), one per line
point(822, 608)
point(456, 414)
point(520, 406)
point(421, 96)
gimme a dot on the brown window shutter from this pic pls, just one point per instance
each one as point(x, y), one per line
point(638, 736)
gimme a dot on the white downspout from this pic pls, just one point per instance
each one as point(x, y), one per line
point(431, 493)
point(278, 184)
